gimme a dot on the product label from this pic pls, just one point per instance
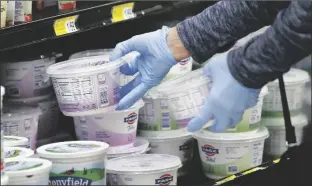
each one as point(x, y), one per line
point(22, 165)
point(123, 12)
point(72, 148)
point(65, 25)
point(12, 153)
point(164, 180)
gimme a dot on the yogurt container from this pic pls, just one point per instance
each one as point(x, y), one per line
point(28, 171)
point(116, 128)
point(48, 120)
point(295, 81)
point(182, 67)
point(88, 86)
point(80, 163)
point(12, 153)
point(26, 79)
point(175, 142)
point(92, 52)
point(224, 154)
point(4, 180)
point(186, 95)
point(146, 169)
point(3, 10)
point(15, 141)
point(21, 121)
point(276, 145)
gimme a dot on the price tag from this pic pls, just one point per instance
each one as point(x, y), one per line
point(65, 25)
point(123, 12)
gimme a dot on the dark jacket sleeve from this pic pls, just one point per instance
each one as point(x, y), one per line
point(268, 56)
point(224, 23)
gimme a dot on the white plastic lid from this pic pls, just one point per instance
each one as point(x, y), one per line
point(165, 135)
point(72, 149)
point(143, 164)
point(93, 52)
point(12, 153)
point(294, 76)
point(31, 100)
point(16, 110)
point(4, 180)
point(2, 91)
point(264, 91)
point(300, 120)
point(27, 166)
point(185, 81)
point(140, 145)
point(12, 141)
point(260, 133)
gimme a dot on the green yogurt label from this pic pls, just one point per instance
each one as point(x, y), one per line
point(22, 165)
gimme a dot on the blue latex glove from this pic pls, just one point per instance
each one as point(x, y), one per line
point(227, 100)
point(153, 64)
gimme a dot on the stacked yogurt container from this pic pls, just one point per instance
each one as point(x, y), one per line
point(4, 178)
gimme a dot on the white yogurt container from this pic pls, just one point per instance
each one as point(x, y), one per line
point(28, 171)
point(15, 141)
point(146, 169)
point(88, 86)
point(48, 120)
point(186, 95)
point(175, 142)
point(224, 154)
point(295, 81)
point(4, 180)
point(77, 163)
point(92, 52)
point(182, 67)
point(21, 121)
point(26, 79)
point(116, 128)
point(12, 153)
point(275, 145)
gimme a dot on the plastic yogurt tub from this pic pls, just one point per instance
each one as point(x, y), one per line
point(26, 79)
point(224, 154)
point(12, 153)
point(88, 86)
point(146, 169)
point(28, 171)
point(116, 128)
point(15, 141)
point(175, 142)
point(92, 52)
point(186, 95)
point(21, 121)
point(295, 81)
point(77, 163)
point(275, 145)
point(48, 120)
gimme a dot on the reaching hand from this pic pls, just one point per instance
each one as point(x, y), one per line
point(227, 100)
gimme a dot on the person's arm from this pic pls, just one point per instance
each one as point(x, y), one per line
point(223, 23)
point(271, 54)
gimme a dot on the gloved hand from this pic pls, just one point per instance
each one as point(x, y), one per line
point(227, 100)
point(153, 65)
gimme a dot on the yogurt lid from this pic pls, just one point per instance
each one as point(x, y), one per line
point(16, 110)
point(4, 180)
point(260, 133)
point(160, 135)
point(143, 164)
point(89, 64)
point(11, 153)
point(31, 100)
point(93, 52)
point(2, 91)
point(300, 120)
point(294, 76)
point(187, 80)
point(11, 141)
point(140, 145)
point(27, 166)
point(72, 149)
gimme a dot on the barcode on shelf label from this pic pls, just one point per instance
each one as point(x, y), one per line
point(128, 14)
point(123, 12)
point(65, 25)
point(71, 26)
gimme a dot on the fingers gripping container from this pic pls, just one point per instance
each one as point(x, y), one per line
point(79, 163)
point(175, 142)
point(15, 141)
point(28, 171)
point(13, 153)
point(146, 169)
point(295, 81)
point(276, 145)
point(186, 95)
point(116, 128)
point(26, 79)
point(88, 86)
point(224, 154)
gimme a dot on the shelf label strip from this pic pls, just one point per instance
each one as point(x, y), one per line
point(123, 12)
point(65, 25)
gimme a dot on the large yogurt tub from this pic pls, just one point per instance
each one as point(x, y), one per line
point(80, 163)
point(116, 128)
point(146, 169)
point(275, 145)
point(88, 86)
point(224, 154)
point(92, 52)
point(28, 171)
point(21, 121)
point(12, 153)
point(26, 79)
point(186, 95)
point(175, 142)
point(15, 141)
point(295, 81)
point(48, 120)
